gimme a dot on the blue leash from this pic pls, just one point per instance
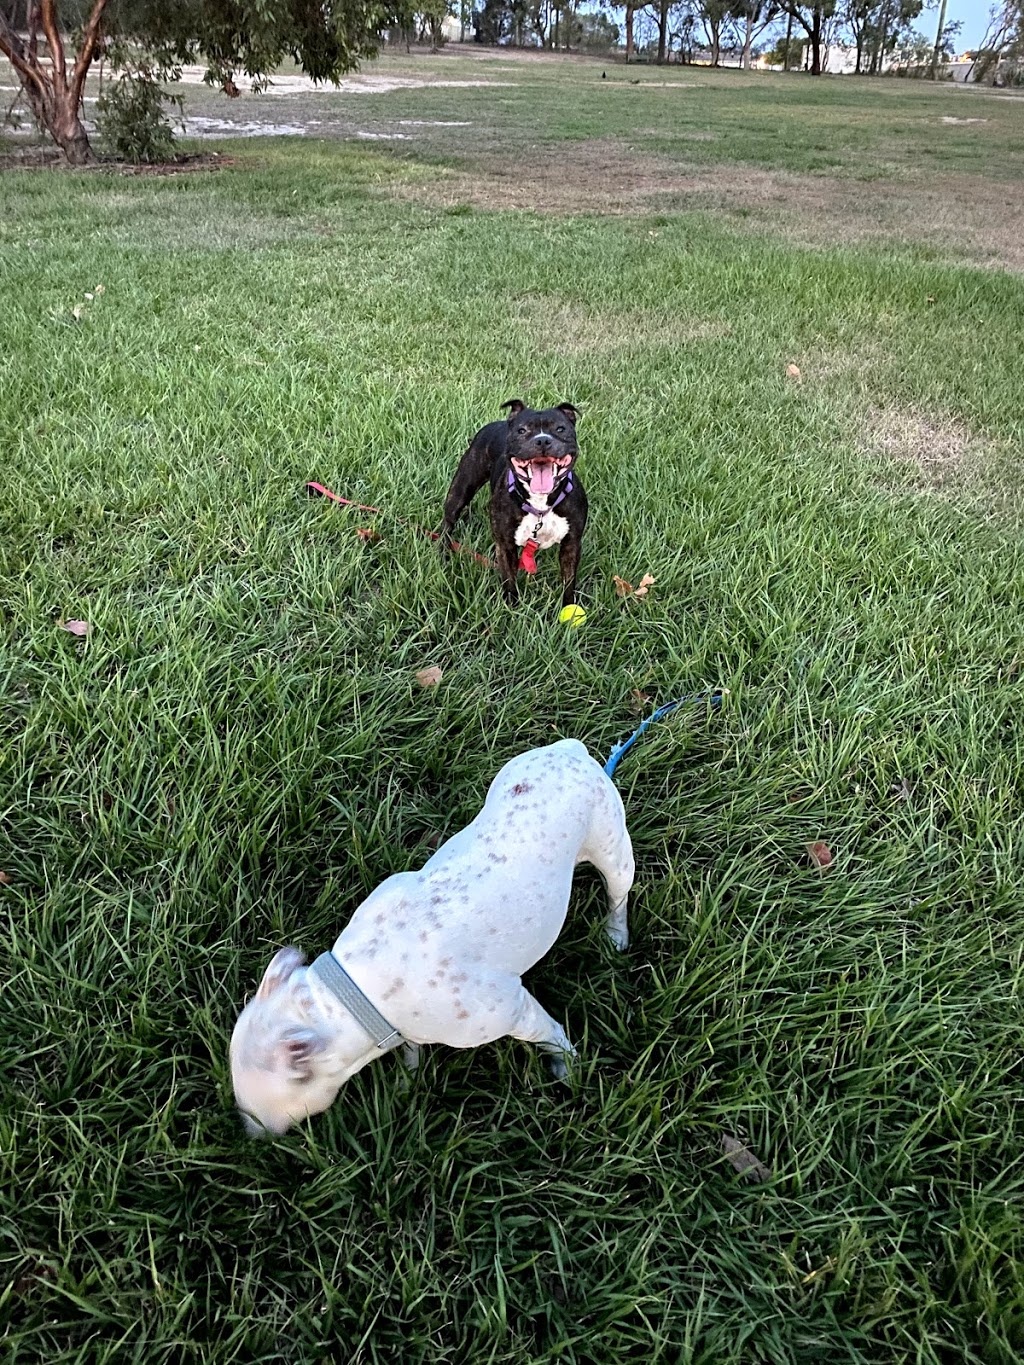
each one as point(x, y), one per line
point(713, 699)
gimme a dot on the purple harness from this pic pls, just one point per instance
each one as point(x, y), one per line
point(539, 511)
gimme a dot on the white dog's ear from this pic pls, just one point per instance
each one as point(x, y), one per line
point(285, 962)
point(296, 1050)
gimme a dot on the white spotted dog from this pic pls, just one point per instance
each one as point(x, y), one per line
point(437, 956)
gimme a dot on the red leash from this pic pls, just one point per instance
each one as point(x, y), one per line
point(321, 491)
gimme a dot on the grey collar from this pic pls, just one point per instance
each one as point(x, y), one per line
point(344, 989)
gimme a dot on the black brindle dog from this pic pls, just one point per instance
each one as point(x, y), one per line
point(537, 499)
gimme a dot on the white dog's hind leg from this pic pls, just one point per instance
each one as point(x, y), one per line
point(607, 846)
point(534, 1025)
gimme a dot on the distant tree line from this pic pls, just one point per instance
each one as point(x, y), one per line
point(881, 34)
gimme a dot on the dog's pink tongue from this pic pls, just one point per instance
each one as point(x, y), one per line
point(542, 476)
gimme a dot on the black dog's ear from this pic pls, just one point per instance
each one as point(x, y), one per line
point(570, 412)
point(515, 407)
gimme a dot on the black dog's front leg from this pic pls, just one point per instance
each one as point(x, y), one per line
point(569, 563)
point(507, 559)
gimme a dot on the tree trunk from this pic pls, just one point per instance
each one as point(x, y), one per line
point(68, 131)
point(662, 31)
point(789, 39)
point(748, 43)
point(816, 41)
point(937, 51)
point(54, 94)
point(630, 11)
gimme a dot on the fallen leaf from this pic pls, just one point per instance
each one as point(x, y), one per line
point(429, 677)
point(76, 627)
point(798, 794)
point(433, 840)
point(793, 371)
point(367, 533)
point(639, 700)
point(929, 298)
point(77, 311)
point(820, 855)
point(89, 297)
point(4, 879)
point(743, 1160)
point(100, 289)
point(625, 588)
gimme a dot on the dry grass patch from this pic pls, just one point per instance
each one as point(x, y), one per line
point(938, 454)
point(604, 175)
point(940, 450)
point(962, 215)
point(563, 327)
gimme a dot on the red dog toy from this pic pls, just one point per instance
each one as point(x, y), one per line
point(527, 561)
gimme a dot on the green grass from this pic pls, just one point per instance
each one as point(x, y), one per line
point(239, 752)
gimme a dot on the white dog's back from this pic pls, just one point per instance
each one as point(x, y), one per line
point(440, 952)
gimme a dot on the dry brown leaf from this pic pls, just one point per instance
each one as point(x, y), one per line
point(4, 879)
point(429, 677)
point(743, 1160)
point(638, 700)
point(625, 588)
point(367, 533)
point(820, 854)
point(76, 627)
point(793, 371)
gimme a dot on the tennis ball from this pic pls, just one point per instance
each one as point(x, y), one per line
point(572, 616)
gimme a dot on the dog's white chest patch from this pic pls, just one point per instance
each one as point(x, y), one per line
point(548, 530)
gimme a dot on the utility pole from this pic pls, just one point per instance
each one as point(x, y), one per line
point(938, 41)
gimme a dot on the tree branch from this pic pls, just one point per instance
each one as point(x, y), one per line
point(794, 11)
point(14, 50)
point(90, 37)
point(48, 11)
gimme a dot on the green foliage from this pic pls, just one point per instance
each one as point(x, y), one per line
point(594, 32)
point(253, 36)
point(131, 118)
point(777, 55)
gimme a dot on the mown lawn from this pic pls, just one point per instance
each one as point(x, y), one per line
point(238, 751)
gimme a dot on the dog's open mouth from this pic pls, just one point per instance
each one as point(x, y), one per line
point(541, 474)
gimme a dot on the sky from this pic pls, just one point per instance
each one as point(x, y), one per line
point(973, 15)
